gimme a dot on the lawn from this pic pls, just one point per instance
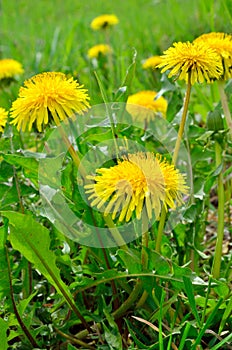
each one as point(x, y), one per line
point(115, 175)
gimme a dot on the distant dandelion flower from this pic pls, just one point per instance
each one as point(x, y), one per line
point(97, 50)
point(141, 180)
point(222, 44)
point(104, 21)
point(3, 118)
point(10, 68)
point(197, 58)
point(152, 62)
point(48, 95)
point(146, 99)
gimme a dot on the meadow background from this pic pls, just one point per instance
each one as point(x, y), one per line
point(55, 36)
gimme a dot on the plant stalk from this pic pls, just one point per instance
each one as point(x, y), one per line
point(174, 159)
point(17, 315)
point(221, 202)
point(225, 106)
point(183, 120)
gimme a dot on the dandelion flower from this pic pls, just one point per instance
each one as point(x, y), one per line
point(197, 58)
point(152, 62)
point(146, 99)
point(103, 22)
point(97, 50)
point(3, 118)
point(138, 181)
point(48, 95)
point(10, 68)
point(222, 44)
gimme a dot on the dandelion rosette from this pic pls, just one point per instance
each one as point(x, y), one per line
point(10, 68)
point(49, 95)
point(152, 62)
point(148, 100)
point(222, 44)
point(3, 118)
point(97, 50)
point(104, 22)
point(198, 59)
point(138, 181)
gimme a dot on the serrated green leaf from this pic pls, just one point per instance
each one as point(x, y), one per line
point(71, 347)
point(157, 263)
point(4, 276)
point(6, 170)
point(33, 241)
point(24, 303)
point(131, 260)
point(3, 334)
point(30, 164)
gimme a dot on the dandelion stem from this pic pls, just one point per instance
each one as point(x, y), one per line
point(174, 159)
point(17, 315)
point(115, 233)
point(183, 120)
point(160, 229)
point(129, 301)
point(225, 106)
point(73, 153)
point(220, 232)
point(144, 242)
point(144, 258)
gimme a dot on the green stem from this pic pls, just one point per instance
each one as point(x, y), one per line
point(160, 230)
point(73, 153)
point(225, 106)
point(129, 301)
point(74, 340)
point(174, 159)
point(221, 201)
point(115, 233)
point(144, 258)
point(109, 113)
point(183, 120)
point(110, 58)
point(17, 315)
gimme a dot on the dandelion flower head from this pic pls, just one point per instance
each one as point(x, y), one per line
point(97, 50)
point(138, 181)
point(49, 95)
point(104, 22)
point(222, 44)
point(146, 99)
point(3, 118)
point(10, 68)
point(152, 62)
point(196, 58)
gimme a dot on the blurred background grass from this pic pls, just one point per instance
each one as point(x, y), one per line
point(55, 35)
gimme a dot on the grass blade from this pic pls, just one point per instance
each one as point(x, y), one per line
point(190, 294)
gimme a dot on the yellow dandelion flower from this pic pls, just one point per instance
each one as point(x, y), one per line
point(196, 58)
point(146, 99)
point(152, 62)
point(3, 118)
point(10, 68)
point(45, 96)
point(138, 181)
point(103, 22)
point(97, 50)
point(222, 44)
